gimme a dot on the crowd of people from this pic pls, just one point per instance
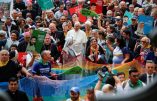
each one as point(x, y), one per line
point(106, 39)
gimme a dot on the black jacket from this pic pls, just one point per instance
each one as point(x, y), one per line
point(59, 35)
point(13, 27)
point(52, 47)
point(143, 77)
point(17, 96)
point(9, 70)
point(22, 46)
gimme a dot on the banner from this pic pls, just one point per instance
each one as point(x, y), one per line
point(148, 23)
point(6, 6)
point(77, 11)
point(40, 35)
point(56, 90)
point(87, 12)
point(130, 16)
point(125, 67)
point(45, 4)
point(99, 5)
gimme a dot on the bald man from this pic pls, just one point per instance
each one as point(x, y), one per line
point(57, 37)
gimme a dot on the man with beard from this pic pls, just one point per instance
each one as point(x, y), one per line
point(74, 94)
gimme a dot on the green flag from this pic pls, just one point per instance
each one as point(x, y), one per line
point(87, 12)
point(45, 4)
point(74, 70)
point(40, 35)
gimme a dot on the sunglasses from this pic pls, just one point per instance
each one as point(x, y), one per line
point(135, 76)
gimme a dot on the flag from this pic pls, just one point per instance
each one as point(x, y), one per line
point(39, 35)
point(99, 4)
point(77, 11)
point(148, 23)
point(87, 12)
point(22, 58)
point(45, 4)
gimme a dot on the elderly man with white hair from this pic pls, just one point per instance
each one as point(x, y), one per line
point(9, 68)
point(75, 42)
point(79, 37)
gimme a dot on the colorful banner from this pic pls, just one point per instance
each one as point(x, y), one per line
point(40, 35)
point(45, 4)
point(56, 90)
point(148, 23)
point(77, 11)
point(74, 70)
point(125, 67)
point(99, 5)
point(130, 16)
point(87, 12)
point(6, 6)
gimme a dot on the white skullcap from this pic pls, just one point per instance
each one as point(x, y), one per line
point(88, 23)
point(77, 23)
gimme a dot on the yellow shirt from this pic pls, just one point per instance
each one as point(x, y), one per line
point(3, 63)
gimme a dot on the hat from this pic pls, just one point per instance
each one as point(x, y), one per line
point(134, 17)
point(75, 89)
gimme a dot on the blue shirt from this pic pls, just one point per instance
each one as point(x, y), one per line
point(41, 69)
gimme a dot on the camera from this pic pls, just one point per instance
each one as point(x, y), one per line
point(101, 74)
point(102, 71)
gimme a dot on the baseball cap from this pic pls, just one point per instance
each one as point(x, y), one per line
point(75, 89)
point(134, 17)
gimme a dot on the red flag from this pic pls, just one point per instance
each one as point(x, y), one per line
point(77, 11)
point(22, 58)
point(99, 4)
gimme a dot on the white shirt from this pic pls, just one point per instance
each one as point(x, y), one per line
point(128, 89)
point(9, 29)
point(78, 39)
point(10, 42)
point(149, 78)
point(155, 21)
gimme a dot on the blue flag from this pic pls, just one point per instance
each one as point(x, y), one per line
point(148, 23)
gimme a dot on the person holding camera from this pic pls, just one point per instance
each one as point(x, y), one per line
point(112, 84)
